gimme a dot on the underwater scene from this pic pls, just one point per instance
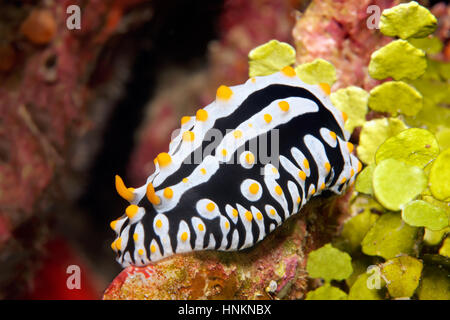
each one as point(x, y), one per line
point(224, 150)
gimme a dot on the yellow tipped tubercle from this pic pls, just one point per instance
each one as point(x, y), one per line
point(113, 225)
point(131, 211)
point(163, 159)
point(123, 191)
point(224, 93)
point(188, 136)
point(151, 195)
point(250, 158)
point(284, 105)
point(325, 87)
point(168, 193)
point(118, 243)
point(201, 115)
point(350, 147)
point(185, 120)
point(254, 188)
point(288, 71)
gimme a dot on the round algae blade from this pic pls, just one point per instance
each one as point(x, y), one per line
point(366, 287)
point(396, 97)
point(430, 45)
point(374, 133)
point(317, 71)
point(389, 237)
point(440, 176)
point(402, 275)
point(420, 213)
point(399, 60)
point(353, 101)
point(329, 264)
point(407, 20)
point(396, 183)
point(326, 292)
point(270, 57)
point(414, 146)
point(364, 180)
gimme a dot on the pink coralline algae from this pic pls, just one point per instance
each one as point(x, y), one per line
point(338, 31)
point(44, 68)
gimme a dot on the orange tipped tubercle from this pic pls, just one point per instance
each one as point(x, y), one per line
point(151, 195)
point(123, 191)
point(325, 87)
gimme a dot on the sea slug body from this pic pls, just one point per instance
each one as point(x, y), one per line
point(228, 195)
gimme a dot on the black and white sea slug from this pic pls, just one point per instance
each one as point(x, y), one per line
point(215, 203)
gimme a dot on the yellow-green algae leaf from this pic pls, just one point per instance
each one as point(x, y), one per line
point(364, 180)
point(443, 138)
point(445, 248)
point(435, 284)
point(433, 70)
point(374, 133)
point(353, 101)
point(431, 117)
point(402, 275)
point(436, 91)
point(433, 238)
point(360, 204)
point(407, 20)
point(389, 237)
point(398, 60)
point(270, 57)
point(326, 292)
point(420, 213)
point(355, 228)
point(437, 203)
point(440, 176)
point(396, 97)
point(359, 267)
point(363, 289)
point(444, 69)
point(329, 264)
point(430, 45)
point(441, 204)
point(415, 146)
point(317, 71)
point(395, 183)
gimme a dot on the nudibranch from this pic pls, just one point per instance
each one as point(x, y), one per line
point(227, 195)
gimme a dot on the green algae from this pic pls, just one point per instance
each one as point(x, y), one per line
point(398, 60)
point(395, 97)
point(407, 20)
point(389, 237)
point(316, 72)
point(353, 101)
point(329, 264)
point(270, 57)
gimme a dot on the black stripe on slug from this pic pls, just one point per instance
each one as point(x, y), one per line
point(254, 103)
